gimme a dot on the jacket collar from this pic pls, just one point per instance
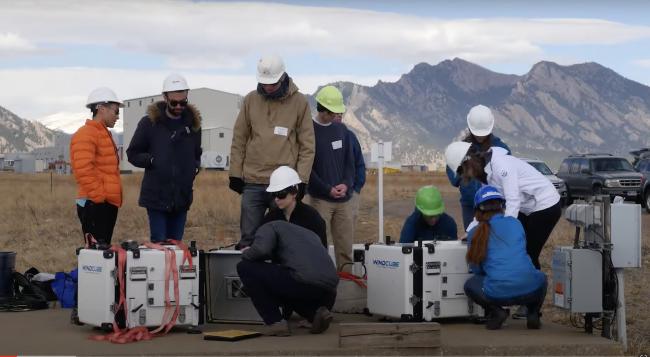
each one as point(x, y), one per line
point(191, 115)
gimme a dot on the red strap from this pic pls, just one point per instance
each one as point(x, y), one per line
point(187, 256)
point(357, 279)
point(90, 240)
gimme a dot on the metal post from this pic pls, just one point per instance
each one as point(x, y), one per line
point(621, 327)
point(380, 185)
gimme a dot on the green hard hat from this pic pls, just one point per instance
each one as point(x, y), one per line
point(331, 98)
point(429, 201)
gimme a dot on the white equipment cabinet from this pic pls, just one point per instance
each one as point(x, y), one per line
point(98, 288)
point(409, 282)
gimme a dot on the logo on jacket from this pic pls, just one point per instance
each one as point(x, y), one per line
point(385, 263)
point(91, 268)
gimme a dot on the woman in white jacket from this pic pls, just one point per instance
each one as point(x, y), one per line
point(529, 195)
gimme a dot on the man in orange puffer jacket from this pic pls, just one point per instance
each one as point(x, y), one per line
point(95, 165)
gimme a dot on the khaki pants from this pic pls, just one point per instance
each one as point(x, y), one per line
point(338, 217)
point(355, 201)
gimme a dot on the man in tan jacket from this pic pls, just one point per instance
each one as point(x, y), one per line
point(273, 129)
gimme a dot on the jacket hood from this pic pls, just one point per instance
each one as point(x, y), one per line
point(156, 110)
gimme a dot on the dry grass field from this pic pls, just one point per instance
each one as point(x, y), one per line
point(39, 222)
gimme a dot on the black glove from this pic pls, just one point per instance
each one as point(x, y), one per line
point(302, 190)
point(236, 184)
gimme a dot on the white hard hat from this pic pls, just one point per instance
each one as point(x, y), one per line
point(270, 69)
point(102, 95)
point(455, 154)
point(174, 82)
point(281, 178)
point(480, 120)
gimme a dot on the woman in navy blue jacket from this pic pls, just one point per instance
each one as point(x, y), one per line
point(480, 122)
point(504, 273)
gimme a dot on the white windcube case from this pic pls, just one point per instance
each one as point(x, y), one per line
point(413, 283)
point(98, 290)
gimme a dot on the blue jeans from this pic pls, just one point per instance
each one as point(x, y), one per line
point(254, 203)
point(532, 300)
point(468, 214)
point(166, 225)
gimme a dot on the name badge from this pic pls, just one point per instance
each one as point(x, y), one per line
point(280, 130)
point(337, 144)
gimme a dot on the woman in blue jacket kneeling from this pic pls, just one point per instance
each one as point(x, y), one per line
point(504, 273)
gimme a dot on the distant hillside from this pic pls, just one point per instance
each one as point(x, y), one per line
point(547, 113)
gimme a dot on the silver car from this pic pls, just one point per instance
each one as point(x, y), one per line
point(559, 184)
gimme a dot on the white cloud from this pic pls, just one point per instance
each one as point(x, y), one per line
point(49, 94)
point(221, 35)
point(12, 44)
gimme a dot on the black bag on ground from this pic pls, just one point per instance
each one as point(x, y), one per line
point(26, 296)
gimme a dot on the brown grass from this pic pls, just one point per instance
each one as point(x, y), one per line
point(41, 225)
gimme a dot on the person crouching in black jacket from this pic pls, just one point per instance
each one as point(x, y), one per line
point(301, 277)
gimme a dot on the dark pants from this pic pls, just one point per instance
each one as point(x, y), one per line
point(538, 227)
point(166, 225)
point(533, 301)
point(98, 219)
point(271, 287)
point(254, 203)
point(468, 214)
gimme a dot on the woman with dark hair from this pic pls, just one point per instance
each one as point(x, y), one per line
point(504, 273)
point(480, 122)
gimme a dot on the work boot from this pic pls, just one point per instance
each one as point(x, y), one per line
point(521, 313)
point(496, 319)
point(322, 319)
point(280, 329)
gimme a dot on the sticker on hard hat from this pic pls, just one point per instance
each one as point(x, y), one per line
point(504, 173)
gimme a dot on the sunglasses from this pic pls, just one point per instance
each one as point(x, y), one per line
point(182, 103)
point(282, 194)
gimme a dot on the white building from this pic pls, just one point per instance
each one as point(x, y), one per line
point(218, 112)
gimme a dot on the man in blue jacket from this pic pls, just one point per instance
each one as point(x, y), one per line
point(332, 176)
point(429, 220)
point(167, 144)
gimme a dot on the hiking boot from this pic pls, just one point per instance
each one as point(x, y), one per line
point(280, 329)
point(322, 319)
point(533, 321)
point(497, 317)
point(521, 313)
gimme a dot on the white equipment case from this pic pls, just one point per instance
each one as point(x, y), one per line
point(226, 301)
point(98, 288)
point(419, 282)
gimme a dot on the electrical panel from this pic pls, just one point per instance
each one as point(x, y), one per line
point(626, 235)
point(577, 279)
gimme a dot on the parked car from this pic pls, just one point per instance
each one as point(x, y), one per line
point(642, 165)
point(589, 174)
point(546, 171)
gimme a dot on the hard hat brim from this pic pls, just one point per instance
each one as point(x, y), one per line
point(89, 105)
point(338, 109)
point(269, 79)
point(481, 132)
point(432, 212)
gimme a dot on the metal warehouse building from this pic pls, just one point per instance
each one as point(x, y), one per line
point(218, 110)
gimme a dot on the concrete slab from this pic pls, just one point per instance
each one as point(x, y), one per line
point(49, 332)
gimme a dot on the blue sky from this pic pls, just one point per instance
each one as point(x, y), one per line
point(56, 52)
